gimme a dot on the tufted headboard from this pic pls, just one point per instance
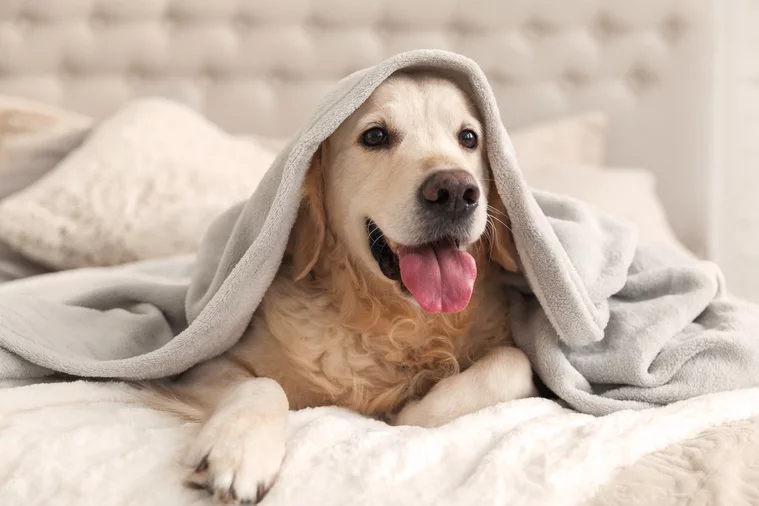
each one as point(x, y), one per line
point(260, 67)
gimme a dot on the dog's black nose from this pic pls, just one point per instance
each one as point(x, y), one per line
point(452, 193)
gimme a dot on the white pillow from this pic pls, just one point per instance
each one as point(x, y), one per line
point(628, 193)
point(574, 140)
point(146, 183)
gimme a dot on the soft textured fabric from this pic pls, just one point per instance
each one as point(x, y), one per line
point(133, 199)
point(14, 265)
point(607, 326)
point(119, 198)
point(88, 444)
point(719, 467)
point(34, 138)
point(623, 192)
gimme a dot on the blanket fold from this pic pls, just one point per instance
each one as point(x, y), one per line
point(608, 323)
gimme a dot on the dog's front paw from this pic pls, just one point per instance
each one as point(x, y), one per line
point(237, 457)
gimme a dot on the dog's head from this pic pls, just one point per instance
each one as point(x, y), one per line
point(403, 184)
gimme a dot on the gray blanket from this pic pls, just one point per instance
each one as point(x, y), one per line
point(607, 323)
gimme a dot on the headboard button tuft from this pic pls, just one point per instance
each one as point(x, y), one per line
point(537, 28)
point(672, 28)
point(640, 78)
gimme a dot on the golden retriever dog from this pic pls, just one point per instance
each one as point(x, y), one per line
point(388, 301)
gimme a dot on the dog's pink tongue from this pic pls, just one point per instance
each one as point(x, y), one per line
point(439, 276)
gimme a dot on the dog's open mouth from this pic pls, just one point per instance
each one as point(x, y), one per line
point(439, 275)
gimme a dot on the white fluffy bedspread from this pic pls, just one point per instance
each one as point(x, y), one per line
point(90, 444)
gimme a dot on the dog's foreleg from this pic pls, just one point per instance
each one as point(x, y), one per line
point(239, 450)
point(503, 374)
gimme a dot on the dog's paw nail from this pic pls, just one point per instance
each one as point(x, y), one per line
point(261, 492)
point(190, 483)
point(203, 465)
point(226, 496)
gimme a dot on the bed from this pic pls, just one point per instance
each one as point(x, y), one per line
point(631, 84)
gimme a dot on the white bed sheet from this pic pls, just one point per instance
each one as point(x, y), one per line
point(90, 444)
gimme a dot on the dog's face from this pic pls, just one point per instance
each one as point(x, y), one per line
point(404, 185)
point(411, 161)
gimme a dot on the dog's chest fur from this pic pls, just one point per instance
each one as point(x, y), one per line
point(367, 355)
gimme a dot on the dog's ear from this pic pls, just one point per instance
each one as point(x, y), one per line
point(307, 237)
point(502, 248)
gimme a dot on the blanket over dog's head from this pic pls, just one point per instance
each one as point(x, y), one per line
point(608, 324)
point(255, 231)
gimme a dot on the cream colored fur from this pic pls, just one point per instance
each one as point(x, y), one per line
point(333, 330)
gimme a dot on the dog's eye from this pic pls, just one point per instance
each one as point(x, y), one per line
point(375, 137)
point(468, 139)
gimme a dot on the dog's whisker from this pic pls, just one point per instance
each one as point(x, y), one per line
point(507, 226)
point(479, 245)
point(491, 231)
point(496, 210)
point(371, 229)
point(502, 223)
point(377, 239)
